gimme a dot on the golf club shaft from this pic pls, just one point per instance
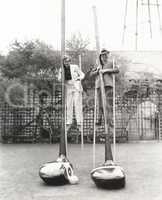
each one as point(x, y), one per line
point(94, 128)
point(63, 137)
point(114, 122)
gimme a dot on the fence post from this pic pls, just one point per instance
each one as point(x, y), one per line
point(160, 114)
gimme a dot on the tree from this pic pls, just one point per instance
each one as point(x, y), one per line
point(76, 46)
point(2, 58)
point(31, 61)
point(121, 84)
point(31, 58)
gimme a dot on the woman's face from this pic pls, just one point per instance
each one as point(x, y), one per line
point(66, 62)
point(104, 58)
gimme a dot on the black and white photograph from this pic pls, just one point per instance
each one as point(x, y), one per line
point(81, 100)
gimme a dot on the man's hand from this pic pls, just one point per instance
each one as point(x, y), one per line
point(110, 71)
point(78, 79)
point(94, 71)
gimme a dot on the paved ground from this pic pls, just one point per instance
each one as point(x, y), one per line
point(19, 178)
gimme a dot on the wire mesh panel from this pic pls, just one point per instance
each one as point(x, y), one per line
point(6, 122)
point(38, 120)
point(140, 117)
point(137, 116)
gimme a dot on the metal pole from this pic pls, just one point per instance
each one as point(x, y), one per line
point(158, 10)
point(125, 18)
point(96, 30)
point(149, 15)
point(136, 34)
point(63, 139)
point(63, 28)
point(95, 98)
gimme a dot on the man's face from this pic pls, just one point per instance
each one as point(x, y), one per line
point(104, 58)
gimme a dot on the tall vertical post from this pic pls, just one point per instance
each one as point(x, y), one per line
point(158, 11)
point(63, 141)
point(95, 95)
point(149, 20)
point(63, 28)
point(125, 21)
point(96, 30)
point(136, 34)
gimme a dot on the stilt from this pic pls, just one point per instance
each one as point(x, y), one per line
point(94, 127)
point(82, 134)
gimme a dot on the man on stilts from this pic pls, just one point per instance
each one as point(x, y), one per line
point(109, 175)
point(106, 68)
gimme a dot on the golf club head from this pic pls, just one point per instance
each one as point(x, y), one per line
point(109, 176)
point(59, 172)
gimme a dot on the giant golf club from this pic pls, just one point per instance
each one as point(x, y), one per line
point(109, 175)
point(60, 172)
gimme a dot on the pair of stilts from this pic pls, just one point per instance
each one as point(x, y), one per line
point(109, 175)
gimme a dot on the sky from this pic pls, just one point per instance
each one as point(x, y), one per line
point(145, 61)
point(40, 19)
